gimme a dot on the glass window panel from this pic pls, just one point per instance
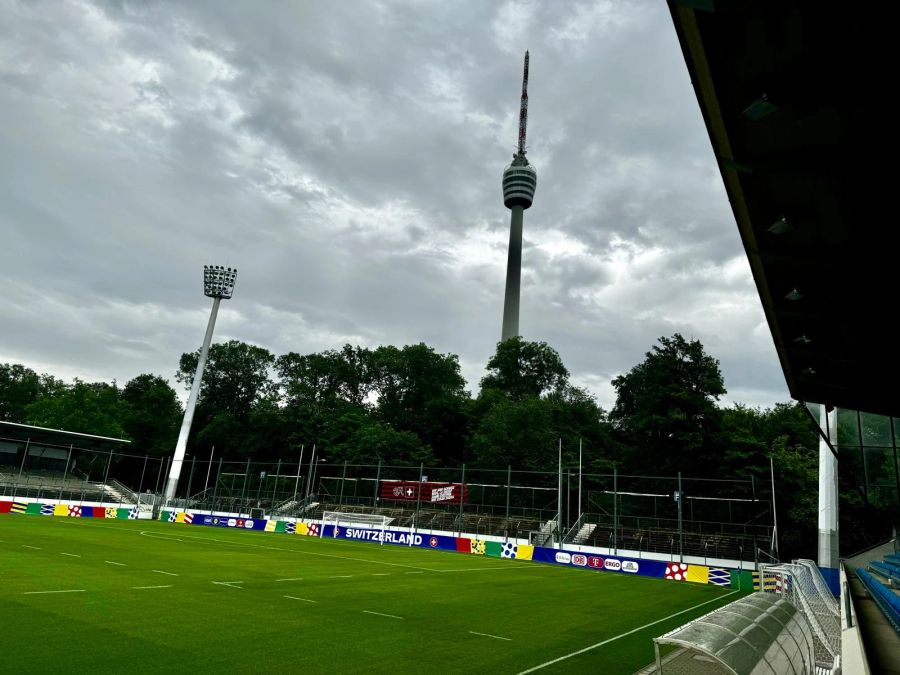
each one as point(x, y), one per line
point(876, 430)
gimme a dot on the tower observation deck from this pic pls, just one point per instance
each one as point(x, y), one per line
point(519, 183)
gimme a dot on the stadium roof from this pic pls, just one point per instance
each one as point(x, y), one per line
point(788, 94)
point(22, 432)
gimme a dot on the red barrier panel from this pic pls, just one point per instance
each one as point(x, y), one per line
point(427, 493)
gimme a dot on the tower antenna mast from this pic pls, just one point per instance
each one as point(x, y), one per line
point(523, 109)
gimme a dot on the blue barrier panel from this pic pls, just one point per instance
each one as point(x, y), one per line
point(609, 563)
point(229, 521)
point(395, 537)
point(832, 577)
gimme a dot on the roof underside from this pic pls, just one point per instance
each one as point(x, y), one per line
point(41, 435)
point(817, 159)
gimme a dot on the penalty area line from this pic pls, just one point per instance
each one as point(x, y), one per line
point(140, 588)
point(617, 637)
point(390, 616)
point(496, 637)
point(291, 597)
point(71, 590)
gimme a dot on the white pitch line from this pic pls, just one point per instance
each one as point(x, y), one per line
point(72, 590)
point(415, 572)
point(291, 579)
point(71, 555)
point(171, 574)
point(496, 637)
point(230, 584)
point(36, 548)
point(110, 562)
point(613, 639)
point(381, 574)
point(301, 599)
point(139, 588)
point(350, 576)
point(390, 616)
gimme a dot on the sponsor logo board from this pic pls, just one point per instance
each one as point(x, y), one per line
point(563, 557)
point(595, 562)
point(611, 564)
point(629, 566)
point(580, 560)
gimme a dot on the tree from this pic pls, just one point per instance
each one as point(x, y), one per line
point(89, 408)
point(235, 381)
point(151, 414)
point(520, 369)
point(666, 408)
point(19, 387)
point(422, 392)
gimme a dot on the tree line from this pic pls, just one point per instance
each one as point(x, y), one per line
point(410, 405)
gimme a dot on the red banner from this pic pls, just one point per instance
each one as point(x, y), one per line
point(426, 493)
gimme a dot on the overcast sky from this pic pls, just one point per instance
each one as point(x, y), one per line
point(346, 157)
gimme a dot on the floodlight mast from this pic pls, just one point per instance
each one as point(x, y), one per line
point(218, 284)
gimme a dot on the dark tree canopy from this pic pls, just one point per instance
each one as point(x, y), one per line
point(520, 369)
point(151, 414)
point(666, 405)
point(19, 388)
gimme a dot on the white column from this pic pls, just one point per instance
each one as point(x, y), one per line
point(513, 275)
point(828, 492)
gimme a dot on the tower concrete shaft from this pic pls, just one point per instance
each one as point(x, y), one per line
point(513, 275)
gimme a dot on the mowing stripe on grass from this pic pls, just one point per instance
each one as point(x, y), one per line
point(390, 616)
point(140, 588)
point(171, 574)
point(110, 562)
point(496, 637)
point(71, 590)
point(291, 597)
point(381, 574)
point(621, 635)
point(71, 555)
point(207, 540)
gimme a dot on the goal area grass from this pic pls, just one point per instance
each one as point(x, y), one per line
point(77, 595)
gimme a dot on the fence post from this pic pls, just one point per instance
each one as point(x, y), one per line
point(680, 525)
point(418, 501)
point(244, 488)
point(616, 511)
point(275, 489)
point(508, 483)
point(143, 471)
point(343, 478)
point(190, 480)
point(299, 467)
point(216, 487)
point(377, 484)
point(65, 472)
point(462, 492)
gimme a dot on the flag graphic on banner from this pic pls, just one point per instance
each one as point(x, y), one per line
point(270, 526)
point(19, 507)
point(509, 550)
point(75, 511)
point(5, 506)
point(312, 530)
point(112, 512)
point(290, 528)
point(676, 571)
point(34, 509)
point(61, 510)
point(477, 547)
point(173, 516)
point(719, 576)
point(493, 548)
point(280, 526)
point(698, 574)
point(188, 518)
point(133, 513)
point(47, 509)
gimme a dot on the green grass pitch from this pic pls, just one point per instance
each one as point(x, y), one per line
point(157, 597)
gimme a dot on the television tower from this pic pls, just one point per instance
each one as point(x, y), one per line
point(519, 182)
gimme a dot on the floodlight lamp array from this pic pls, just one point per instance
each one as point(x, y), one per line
point(218, 281)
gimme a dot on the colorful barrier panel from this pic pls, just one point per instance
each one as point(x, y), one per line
point(68, 510)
